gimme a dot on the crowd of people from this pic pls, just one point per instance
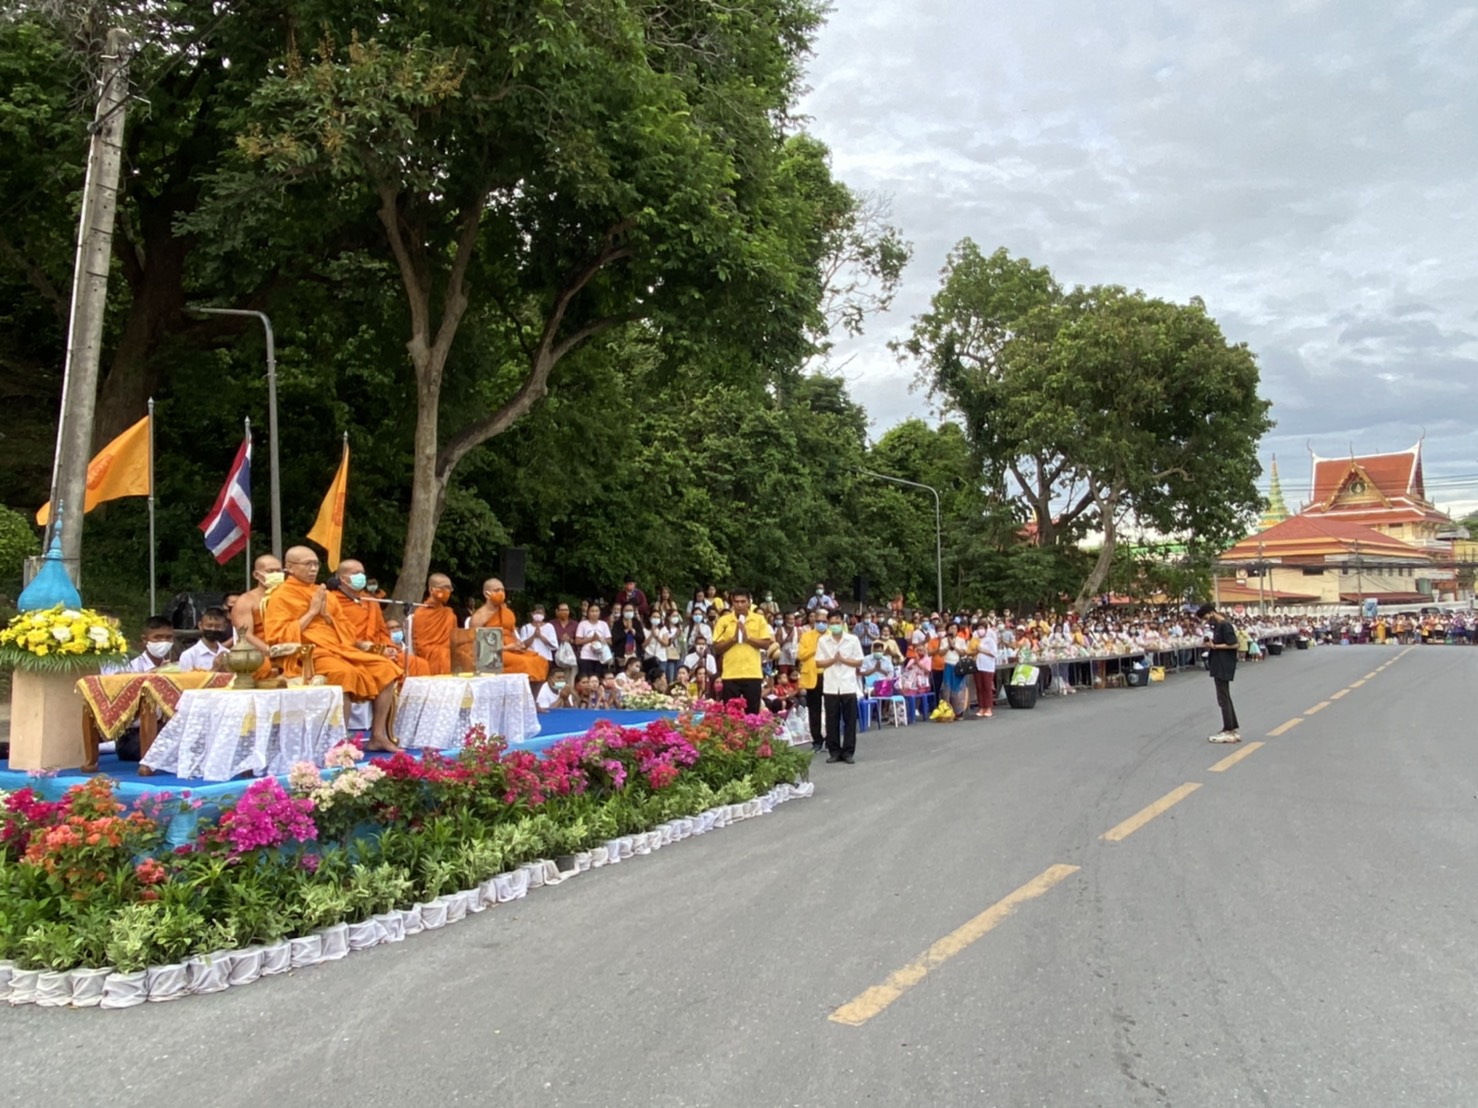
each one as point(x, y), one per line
point(636, 650)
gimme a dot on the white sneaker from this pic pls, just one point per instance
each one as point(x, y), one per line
point(1223, 737)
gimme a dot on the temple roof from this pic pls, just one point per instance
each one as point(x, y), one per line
point(1276, 509)
point(1314, 537)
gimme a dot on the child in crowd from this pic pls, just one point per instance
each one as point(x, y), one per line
point(215, 637)
point(158, 643)
point(556, 693)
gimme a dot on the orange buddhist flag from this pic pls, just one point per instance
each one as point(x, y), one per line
point(328, 531)
point(119, 469)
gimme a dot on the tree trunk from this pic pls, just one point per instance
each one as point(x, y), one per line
point(158, 300)
point(1105, 559)
point(428, 495)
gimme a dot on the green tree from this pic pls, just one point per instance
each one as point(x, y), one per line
point(551, 172)
point(1096, 405)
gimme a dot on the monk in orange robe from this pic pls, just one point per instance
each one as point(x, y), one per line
point(433, 624)
point(246, 617)
point(300, 610)
point(366, 620)
point(494, 612)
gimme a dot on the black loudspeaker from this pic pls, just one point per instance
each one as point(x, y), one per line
point(859, 588)
point(515, 562)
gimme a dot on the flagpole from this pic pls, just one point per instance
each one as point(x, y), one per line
point(247, 423)
point(153, 607)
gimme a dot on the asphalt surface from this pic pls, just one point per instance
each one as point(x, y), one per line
point(1300, 930)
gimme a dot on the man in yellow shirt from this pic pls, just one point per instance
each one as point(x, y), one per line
point(805, 657)
point(740, 638)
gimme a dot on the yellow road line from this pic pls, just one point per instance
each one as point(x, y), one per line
point(862, 1008)
point(1336, 696)
point(1232, 759)
point(1119, 833)
point(1284, 728)
point(1319, 707)
point(1368, 677)
point(1357, 684)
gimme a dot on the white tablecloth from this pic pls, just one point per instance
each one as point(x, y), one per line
point(218, 734)
point(437, 712)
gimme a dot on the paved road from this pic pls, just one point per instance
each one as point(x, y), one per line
point(1299, 930)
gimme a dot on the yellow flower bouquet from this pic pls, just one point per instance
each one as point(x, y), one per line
point(61, 640)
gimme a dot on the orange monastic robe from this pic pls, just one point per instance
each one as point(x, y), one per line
point(335, 657)
point(527, 662)
point(431, 636)
point(367, 624)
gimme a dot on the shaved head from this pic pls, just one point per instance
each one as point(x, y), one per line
point(350, 565)
point(266, 563)
point(302, 563)
point(438, 581)
point(492, 584)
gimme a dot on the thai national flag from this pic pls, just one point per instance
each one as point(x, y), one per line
point(229, 524)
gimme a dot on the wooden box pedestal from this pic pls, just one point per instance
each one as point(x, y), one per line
point(45, 721)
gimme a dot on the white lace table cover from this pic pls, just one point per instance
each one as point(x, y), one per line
point(218, 734)
point(437, 712)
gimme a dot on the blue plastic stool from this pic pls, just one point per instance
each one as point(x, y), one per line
point(869, 706)
point(914, 710)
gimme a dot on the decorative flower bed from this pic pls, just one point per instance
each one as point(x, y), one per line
point(349, 857)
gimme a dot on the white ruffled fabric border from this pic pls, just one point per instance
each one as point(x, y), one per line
point(212, 973)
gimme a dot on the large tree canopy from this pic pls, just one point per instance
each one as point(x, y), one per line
point(1091, 406)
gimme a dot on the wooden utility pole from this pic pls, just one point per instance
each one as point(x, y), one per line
point(89, 299)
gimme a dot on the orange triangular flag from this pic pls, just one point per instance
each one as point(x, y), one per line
point(120, 469)
point(328, 531)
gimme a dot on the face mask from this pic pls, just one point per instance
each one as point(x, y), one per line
point(442, 595)
point(557, 686)
point(496, 596)
point(158, 649)
point(674, 623)
point(837, 629)
point(697, 619)
point(768, 598)
point(628, 615)
point(357, 581)
point(372, 586)
point(397, 636)
point(820, 592)
point(538, 617)
point(215, 634)
point(273, 579)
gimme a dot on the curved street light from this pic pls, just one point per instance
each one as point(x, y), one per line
point(938, 531)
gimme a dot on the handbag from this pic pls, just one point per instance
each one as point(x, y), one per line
point(603, 653)
point(565, 655)
point(965, 667)
point(883, 689)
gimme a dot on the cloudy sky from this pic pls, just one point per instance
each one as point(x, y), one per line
point(1309, 168)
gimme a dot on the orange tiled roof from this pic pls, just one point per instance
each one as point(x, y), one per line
point(1304, 536)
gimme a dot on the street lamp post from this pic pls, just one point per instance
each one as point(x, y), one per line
point(271, 414)
point(938, 530)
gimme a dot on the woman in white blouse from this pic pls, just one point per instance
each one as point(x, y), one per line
point(593, 634)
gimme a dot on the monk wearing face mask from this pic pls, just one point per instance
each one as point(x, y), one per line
point(366, 620)
point(247, 617)
point(432, 625)
point(495, 612)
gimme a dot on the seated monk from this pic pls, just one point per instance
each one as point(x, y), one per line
point(246, 617)
point(300, 610)
point(517, 658)
point(366, 621)
point(432, 625)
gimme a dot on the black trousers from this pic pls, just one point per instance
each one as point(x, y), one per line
point(1224, 702)
point(841, 723)
point(747, 687)
point(813, 712)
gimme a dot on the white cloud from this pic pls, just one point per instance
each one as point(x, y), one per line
point(1308, 169)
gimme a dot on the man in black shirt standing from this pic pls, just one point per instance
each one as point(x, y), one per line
point(1222, 662)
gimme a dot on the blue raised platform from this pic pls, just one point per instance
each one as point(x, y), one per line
point(565, 723)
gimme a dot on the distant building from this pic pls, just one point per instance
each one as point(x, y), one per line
point(1275, 510)
point(1385, 492)
point(1312, 559)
